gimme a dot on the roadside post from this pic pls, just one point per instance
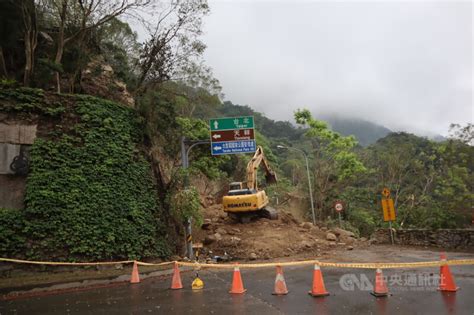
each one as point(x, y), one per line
point(388, 209)
point(186, 146)
point(339, 207)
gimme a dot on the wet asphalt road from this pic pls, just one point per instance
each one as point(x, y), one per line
point(153, 296)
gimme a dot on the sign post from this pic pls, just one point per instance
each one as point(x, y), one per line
point(388, 209)
point(339, 207)
point(232, 135)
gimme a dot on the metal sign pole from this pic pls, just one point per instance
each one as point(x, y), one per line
point(391, 232)
point(340, 220)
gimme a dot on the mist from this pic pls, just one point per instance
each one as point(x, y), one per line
point(405, 65)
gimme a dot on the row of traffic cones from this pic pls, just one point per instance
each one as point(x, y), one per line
point(318, 288)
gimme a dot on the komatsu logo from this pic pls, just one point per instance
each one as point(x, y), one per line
point(238, 205)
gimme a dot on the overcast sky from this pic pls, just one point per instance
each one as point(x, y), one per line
point(406, 65)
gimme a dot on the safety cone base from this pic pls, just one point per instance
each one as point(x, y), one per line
point(318, 294)
point(376, 294)
point(238, 292)
point(276, 293)
point(448, 290)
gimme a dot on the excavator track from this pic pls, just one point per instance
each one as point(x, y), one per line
point(270, 213)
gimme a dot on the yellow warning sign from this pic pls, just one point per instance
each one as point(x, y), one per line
point(388, 209)
point(386, 192)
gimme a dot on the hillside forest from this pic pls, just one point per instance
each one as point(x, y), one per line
point(121, 105)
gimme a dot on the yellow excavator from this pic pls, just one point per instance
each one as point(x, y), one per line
point(245, 201)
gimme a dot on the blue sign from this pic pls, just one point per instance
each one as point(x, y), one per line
point(233, 147)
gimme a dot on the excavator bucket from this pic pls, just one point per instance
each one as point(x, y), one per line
point(270, 178)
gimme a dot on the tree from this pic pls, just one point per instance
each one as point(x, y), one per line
point(174, 46)
point(74, 18)
point(30, 36)
point(334, 162)
point(464, 134)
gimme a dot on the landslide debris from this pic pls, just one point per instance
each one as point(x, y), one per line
point(263, 239)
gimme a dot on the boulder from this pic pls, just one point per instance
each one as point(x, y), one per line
point(307, 225)
point(218, 236)
point(342, 232)
point(235, 239)
point(209, 239)
point(207, 224)
point(221, 231)
point(253, 256)
point(331, 237)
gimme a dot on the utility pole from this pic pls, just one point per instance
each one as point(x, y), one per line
point(186, 146)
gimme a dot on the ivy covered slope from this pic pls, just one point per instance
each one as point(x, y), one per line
point(90, 193)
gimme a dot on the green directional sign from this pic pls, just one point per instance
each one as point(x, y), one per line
point(229, 123)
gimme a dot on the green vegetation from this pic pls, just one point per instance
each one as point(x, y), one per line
point(90, 192)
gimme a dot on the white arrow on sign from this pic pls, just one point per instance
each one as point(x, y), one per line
point(216, 136)
point(217, 148)
point(216, 124)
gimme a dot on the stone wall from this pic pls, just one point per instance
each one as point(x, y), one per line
point(445, 238)
point(15, 139)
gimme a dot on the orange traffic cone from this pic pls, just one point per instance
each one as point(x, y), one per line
point(380, 284)
point(176, 281)
point(135, 278)
point(280, 285)
point(446, 281)
point(318, 283)
point(237, 284)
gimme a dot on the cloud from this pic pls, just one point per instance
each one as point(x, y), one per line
point(407, 65)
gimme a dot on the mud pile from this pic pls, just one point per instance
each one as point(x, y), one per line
point(263, 239)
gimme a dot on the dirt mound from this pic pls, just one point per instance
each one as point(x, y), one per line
point(266, 239)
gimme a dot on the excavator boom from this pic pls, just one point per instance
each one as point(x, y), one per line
point(252, 167)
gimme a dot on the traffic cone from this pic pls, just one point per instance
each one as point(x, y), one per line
point(380, 284)
point(446, 281)
point(135, 278)
point(237, 284)
point(176, 281)
point(318, 283)
point(280, 285)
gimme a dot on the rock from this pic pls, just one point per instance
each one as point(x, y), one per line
point(209, 239)
point(363, 239)
point(350, 247)
point(253, 256)
point(218, 236)
point(342, 232)
point(215, 220)
point(349, 240)
point(332, 244)
point(207, 224)
point(221, 231)
point(235, 239)
point(305, 244)
point(236, 230)
point(118, 266)
point(324, 228)
point(307, 225)
point(331, 237)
